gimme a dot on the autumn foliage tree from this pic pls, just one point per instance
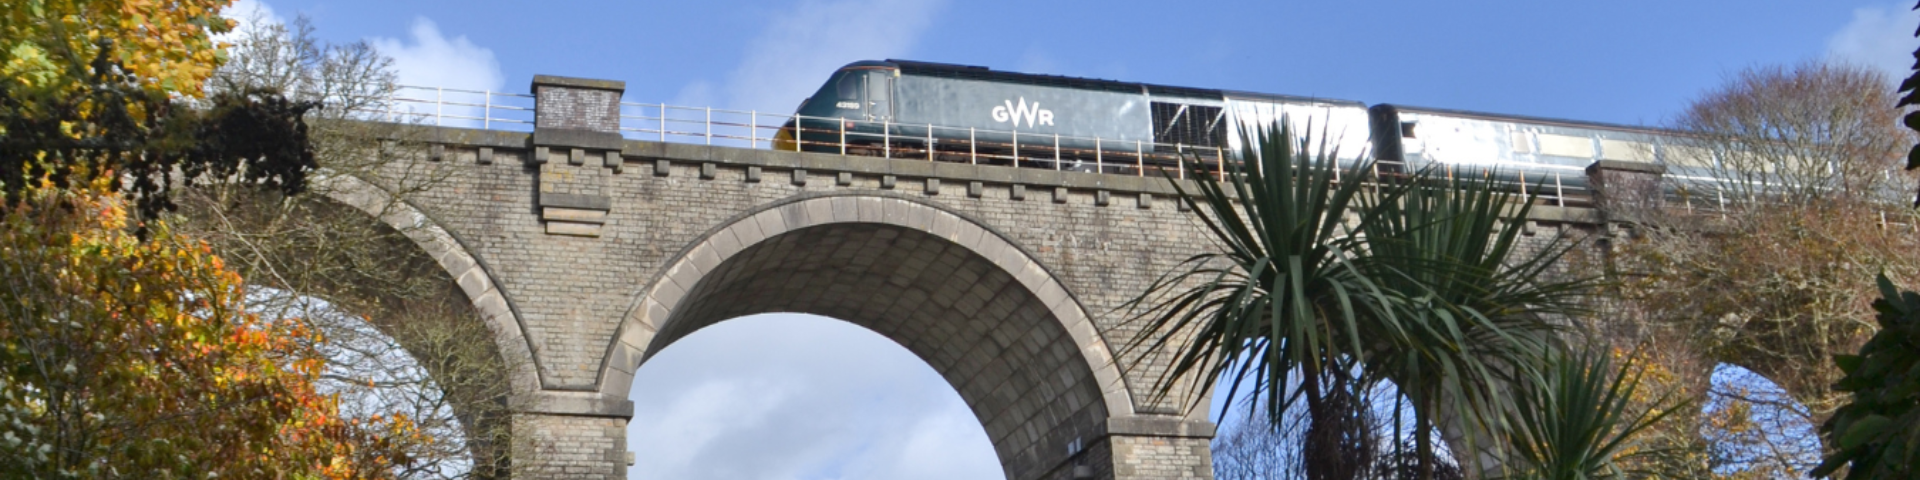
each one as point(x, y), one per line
point(126, 349)
point(115, 86)
point(1772, 267)
point(1878, 429)
point(137, 359)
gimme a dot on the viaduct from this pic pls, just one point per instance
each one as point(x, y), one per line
point(585, 253)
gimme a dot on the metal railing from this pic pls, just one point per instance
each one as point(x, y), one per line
point(452, 107)
point(753, 129)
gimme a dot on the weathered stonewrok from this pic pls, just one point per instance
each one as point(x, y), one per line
point(583, 271)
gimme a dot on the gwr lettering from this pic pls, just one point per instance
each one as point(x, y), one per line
point(1033, 114)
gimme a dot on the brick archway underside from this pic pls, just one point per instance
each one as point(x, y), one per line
point(993, 340)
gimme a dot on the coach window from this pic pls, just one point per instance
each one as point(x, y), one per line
point(849, 86)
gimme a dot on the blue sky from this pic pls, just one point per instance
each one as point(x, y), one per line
point(1623, 61)
point(741, 401)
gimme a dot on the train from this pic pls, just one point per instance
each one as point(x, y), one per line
point(963, 113)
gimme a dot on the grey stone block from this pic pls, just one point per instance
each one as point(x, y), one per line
point(844, 178)
point(662, 167)
point(484, 156)
point(576, 82)
point(573, 229)
point(1100, 197)
point(573, 215)
point(799, 177)
point(1059, 194)
point(1017, 192)
point(753, 174)
point(576, 138)
point(887, 181)
point(578, 201)
point(708, 171)
point(975, 189)
point(933, 186)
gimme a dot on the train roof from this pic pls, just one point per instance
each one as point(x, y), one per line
point(1274, 97)
point(1558, 122)
point(972, 72)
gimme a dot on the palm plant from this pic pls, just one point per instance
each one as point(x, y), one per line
point(1476, 308)
point(1322, 288)
point(1575, 419)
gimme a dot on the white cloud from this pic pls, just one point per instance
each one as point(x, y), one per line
point(432, 59)
point(793, 56)
point(796, 397)
point(1879, 37)
point(245, 14)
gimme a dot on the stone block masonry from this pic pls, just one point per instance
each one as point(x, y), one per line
point(588, 268)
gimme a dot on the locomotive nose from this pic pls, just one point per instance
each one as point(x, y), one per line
point(783, 140)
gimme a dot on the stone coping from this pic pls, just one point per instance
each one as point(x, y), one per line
point(642, 150)
point(575, 82)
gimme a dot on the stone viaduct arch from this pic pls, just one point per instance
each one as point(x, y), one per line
point(585, 252)
point(469, 276)
point(991, 319)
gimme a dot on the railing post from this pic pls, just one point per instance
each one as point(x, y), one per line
point(709, 125)
point(973, 148)
point(1559, 193)
point(1056, 152)
point(1179, 160)
point(1720, 195)
point(1220, 164)
point(1139, 160)
point(438, 103)
point(486, 111)
point(1016, 148)
point(843, 135)
point(929, 142)
point(663, 122)
point(1098, 160)
point(886, 138)
point(753, 130)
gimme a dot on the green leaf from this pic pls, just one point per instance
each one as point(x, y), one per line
point(1847, 363)
point(1864, 429)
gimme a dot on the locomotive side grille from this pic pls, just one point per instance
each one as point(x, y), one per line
point(1183, 124)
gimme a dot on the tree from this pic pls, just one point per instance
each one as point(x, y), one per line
point(1255, 448)
point(1878, 432)
point(115, 87)
point(1774, 280)
point(138, 359)
point(132, 358)
point(1810, 132)
point(400, 335)
point(1875, 428)
point(1322, 289)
